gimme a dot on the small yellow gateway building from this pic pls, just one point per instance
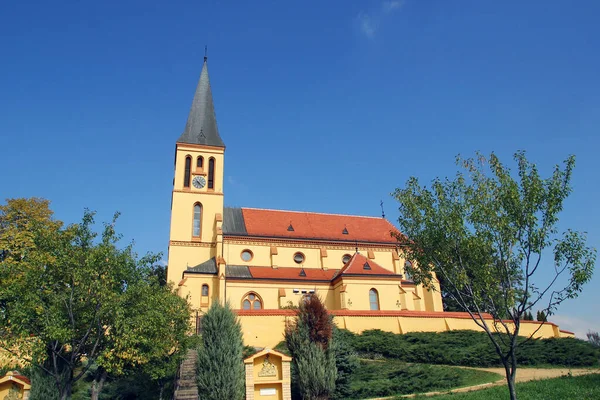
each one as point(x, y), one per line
point(264, 261)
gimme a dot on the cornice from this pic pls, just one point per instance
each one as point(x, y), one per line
point(307, 243)
point(191, 243)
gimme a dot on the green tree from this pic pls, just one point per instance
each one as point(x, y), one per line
point(309, 340)
point(83, 282)
point(484, 233)
point(346, 362)
point(541, 316)
point(220, 365)
point(593, 338)
point(43, 386)
point(149, 334)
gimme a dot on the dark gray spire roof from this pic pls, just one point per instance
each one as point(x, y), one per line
point(201, 127)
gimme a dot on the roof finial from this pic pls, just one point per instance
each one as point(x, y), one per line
point(205, 53)
point(356, 243)
point(382, 212)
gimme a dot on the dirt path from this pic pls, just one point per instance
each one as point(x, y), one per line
point(523, 375)
point(532, 374)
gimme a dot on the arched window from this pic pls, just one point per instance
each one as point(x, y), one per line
point(251, 302)
point(204, 290)
point(187, 172)
point(374, 299)
point(407, 275)
point(200, 163)
point(197, 224)
point(211, 173)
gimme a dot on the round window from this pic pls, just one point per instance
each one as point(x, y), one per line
point(346, 258)
point(247, 255)
point(298, 258)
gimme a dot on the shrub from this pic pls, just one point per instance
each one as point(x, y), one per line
point(470, 348)
point(308, 339)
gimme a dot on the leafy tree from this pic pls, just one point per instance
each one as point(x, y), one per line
point(309, 340)
point(220, 365)
point(149, 333)
point(83, 284)
point(593, 338)
point(484, 233)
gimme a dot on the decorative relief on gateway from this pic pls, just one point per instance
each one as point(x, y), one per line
point(268, 368)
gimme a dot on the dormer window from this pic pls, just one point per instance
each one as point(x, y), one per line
point(366, 266)
point(345, 231)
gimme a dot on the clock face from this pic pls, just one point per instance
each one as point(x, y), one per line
point(199, 182)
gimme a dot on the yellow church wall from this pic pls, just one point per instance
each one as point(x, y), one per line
point(269, 293)
point(183, 211)
point(267, 330)
point(181, 257)
point(357, 294)
point(285, 254)
point(192, 289)
point(263, 330)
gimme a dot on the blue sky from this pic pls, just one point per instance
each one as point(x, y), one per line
point(324, 106)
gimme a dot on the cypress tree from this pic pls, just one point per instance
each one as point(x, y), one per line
point(43, 386)
point(220, 368)
point(309, 340)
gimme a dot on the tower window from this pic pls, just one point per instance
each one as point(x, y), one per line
point(197, 221)
point(204, 290)
point(374, 299)
point(346, 258)
point(211, 173)
point(187, 172)
point(251, 301)
point(200, 163)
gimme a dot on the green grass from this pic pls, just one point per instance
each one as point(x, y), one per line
point(585, 387)
point(379, 378)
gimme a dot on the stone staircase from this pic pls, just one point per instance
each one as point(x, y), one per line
point(186, 388)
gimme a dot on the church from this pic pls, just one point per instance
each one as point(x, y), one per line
point(263, 262)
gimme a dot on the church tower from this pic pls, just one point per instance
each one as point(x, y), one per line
point(197, 199)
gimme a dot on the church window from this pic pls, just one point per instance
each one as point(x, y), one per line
point(247, 255)
point(211, 173)
point(346, 258)
point(200, 163)
point(187, 172)
point(299, 258)
point(197, 221)
point(204, 290)
point(407, 275)
point(374, 299)
point(252, 302)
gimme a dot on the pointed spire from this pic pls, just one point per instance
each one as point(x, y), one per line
point(201, 127)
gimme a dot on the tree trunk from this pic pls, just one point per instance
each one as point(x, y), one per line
point(65, 392)
point(511, 373)
point(98, 383)
point(162, 389)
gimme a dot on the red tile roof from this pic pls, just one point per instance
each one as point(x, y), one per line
point(308, 225)
point(285, 273)
point(356, 266)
